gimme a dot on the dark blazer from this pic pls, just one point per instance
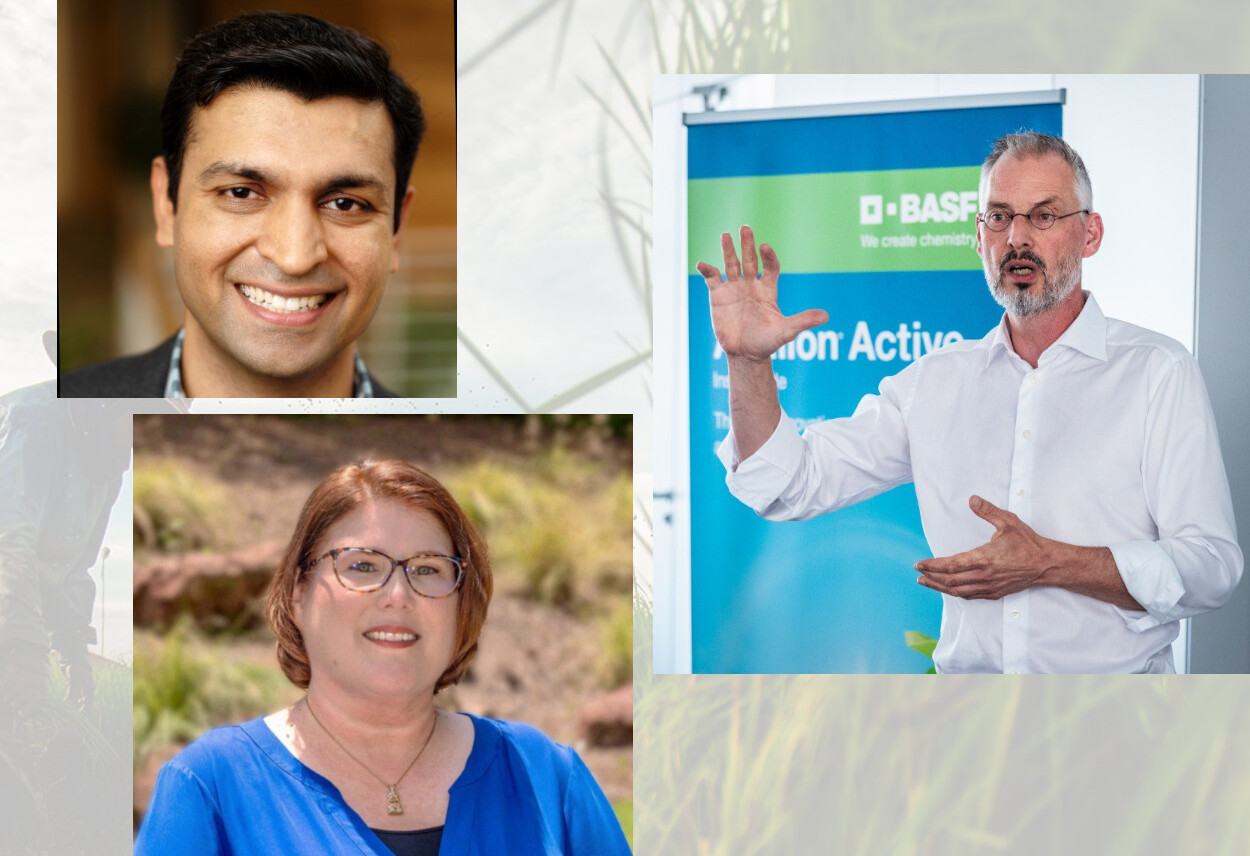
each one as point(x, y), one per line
point(140, 376)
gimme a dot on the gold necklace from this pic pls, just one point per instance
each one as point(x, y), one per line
point(393, 805)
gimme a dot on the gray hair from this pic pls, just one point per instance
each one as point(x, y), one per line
point(1033, 144)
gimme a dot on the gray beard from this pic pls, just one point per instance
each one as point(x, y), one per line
point(1026, 304)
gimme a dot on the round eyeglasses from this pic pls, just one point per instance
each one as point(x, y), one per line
point(1040, 217)
point(362, 569)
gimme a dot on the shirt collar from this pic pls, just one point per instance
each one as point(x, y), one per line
point(1087, 334)
point(362, 384)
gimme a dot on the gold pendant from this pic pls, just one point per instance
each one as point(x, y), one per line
point(393, 805)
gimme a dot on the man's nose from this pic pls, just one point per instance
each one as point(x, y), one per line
point(1020, 232)
point(293, 237)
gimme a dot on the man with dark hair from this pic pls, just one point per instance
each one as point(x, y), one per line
point(282, 187)
point(1098, 512)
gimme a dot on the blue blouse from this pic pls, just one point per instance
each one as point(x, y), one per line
point(238, 790)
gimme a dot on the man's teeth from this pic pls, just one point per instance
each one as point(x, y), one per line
point(278, 303)
point(384, 636)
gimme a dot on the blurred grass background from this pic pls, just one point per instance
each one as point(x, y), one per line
point(184, 685)
point(60, 769)
point(552, 495)
point(178, 511)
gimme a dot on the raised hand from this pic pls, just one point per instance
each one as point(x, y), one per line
point(745, 317)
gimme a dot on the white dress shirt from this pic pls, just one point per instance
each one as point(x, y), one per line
point(1110, 441)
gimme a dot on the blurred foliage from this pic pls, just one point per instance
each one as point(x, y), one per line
point(617, 425)
point(558, 525)
point(971, 764)
point(560, 532)
point(922, 644)
point(176, 510)
point(184, 686)
point(614, 425)
point(60, 767)
point(616, 647)
point(625, 814)
point(430, 333)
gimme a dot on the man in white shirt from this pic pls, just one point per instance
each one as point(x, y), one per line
point(1066, 466)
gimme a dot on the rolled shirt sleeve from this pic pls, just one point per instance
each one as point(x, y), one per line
point(761, 478)
point(1195, 564)
point(833, 464)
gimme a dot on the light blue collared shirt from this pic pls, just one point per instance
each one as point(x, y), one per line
point(362, 386)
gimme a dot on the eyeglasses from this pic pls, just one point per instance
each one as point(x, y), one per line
point(1040, 217)
point(364, 570)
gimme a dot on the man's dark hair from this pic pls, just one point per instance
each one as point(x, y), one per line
point(300, 54)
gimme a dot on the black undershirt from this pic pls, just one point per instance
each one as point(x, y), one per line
point(419, 842)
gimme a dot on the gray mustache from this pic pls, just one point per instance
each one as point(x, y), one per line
point(1022, 256)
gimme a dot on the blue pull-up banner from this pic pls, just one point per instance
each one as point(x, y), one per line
point(873, 218)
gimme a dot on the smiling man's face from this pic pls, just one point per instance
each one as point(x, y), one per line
point(283, 239)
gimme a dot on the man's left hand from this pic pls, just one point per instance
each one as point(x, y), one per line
point(1015, 558)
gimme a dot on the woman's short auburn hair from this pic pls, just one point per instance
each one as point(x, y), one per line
point(345, 490)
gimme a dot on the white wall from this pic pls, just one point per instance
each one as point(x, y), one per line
point(1138, 135)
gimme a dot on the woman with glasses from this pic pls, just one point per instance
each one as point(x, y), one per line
point(377, 606)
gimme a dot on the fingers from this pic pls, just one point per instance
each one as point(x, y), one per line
point(750, 262)
point(964, 590)
point(934, 585)
point(733, 270)
point(772, 267)
point(948, 565)
point(962, 575)
point(951, 564)
point(796, 324)
point(989, 512)
point(749, 267)
point(711, 275)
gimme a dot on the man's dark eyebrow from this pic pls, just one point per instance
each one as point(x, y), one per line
point(347, 181)
point(218, 169)
point(354, 181)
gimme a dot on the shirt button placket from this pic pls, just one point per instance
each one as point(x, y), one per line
point(1020, 501)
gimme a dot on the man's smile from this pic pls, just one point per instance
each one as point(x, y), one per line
point(289, 310)
point(278, 303)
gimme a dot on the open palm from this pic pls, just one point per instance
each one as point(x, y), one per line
point(745, 317)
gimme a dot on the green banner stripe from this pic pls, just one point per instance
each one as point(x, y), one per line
point(887, 220)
